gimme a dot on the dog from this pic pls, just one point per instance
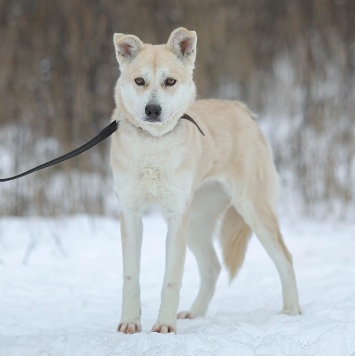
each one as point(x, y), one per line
point(226, 176)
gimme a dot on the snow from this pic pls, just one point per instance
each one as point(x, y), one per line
point(60, 283)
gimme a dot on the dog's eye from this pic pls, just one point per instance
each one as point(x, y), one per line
point(169, 82)
point(139, 81)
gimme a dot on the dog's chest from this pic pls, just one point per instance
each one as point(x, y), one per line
point(149, 172)
point(151, 177)
point(152, 182)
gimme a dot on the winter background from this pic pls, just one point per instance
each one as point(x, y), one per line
point(292, 62)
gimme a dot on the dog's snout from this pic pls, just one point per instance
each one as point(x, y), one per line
point(153, 112)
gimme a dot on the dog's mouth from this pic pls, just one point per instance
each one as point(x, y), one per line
point(155, 120)
point(184, 116)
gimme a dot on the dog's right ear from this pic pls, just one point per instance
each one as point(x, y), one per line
point(127, 47)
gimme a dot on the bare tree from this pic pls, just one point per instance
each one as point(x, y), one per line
point(57, 73)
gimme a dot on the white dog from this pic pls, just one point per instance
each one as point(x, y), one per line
point(158, 159)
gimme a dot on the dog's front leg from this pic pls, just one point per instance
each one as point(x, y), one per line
point(131, 237)
point(174, 265)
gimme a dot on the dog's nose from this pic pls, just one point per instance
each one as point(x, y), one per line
point(153, 112)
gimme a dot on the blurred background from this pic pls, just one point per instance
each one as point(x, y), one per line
point(292, 62)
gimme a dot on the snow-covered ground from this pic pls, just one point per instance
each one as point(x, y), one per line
point(60, 293)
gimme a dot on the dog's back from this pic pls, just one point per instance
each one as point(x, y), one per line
point(241, 155)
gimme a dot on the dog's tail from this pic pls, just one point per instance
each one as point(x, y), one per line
point(235, 234)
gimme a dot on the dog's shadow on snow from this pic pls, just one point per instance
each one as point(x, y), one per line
point(259, 319)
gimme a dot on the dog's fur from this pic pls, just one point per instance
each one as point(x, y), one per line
point(194, 179)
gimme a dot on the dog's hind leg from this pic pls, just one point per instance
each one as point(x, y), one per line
point(206, 207)
point(260, 216)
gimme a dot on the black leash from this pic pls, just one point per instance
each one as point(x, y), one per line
point(187, 117)
point(105, 133)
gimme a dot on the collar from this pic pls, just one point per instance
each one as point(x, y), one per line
point(189, 118)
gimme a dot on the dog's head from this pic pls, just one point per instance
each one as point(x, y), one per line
point(156, 85)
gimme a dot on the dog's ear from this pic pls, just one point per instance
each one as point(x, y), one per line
point(183, 44)
point(127, 47)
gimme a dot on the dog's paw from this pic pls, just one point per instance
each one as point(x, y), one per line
point(186, 315)
point(129, 327)
point(291, 310)
point(164, 328)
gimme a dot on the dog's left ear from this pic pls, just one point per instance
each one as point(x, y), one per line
point(183, 44)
